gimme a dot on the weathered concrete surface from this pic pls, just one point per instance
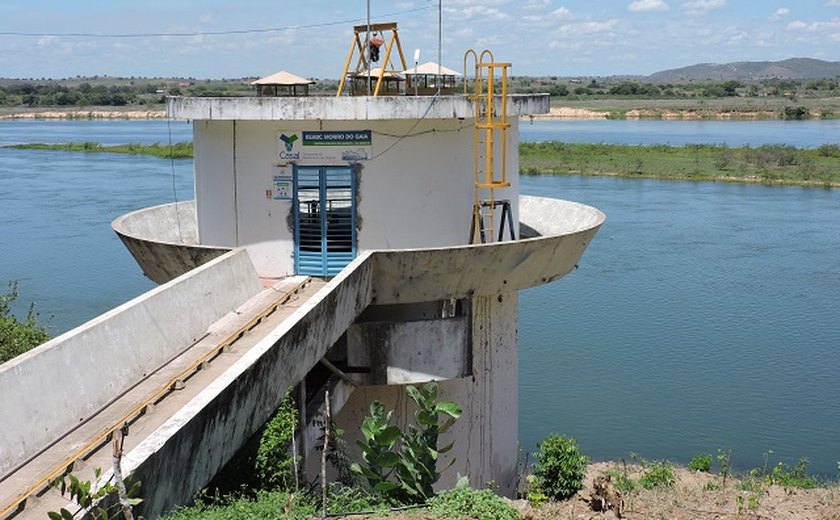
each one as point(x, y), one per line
point(420, 275)
point(193, 445)
point(50, 389)
point(343, 108)
point(486, 435)
point(401, 353)
point(164, 240)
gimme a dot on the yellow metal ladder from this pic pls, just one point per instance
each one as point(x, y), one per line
point(489, 146)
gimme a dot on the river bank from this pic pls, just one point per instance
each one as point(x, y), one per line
point(671, 114)
point(57, 113)
point(674, 492)
point(737, 109)
point(767, 164)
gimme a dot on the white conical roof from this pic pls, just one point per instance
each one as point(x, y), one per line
point(282, 78)
point(431, 68)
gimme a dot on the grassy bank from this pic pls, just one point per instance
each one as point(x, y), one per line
point(778, 107)
point(771, 164)
point(176, 151)
point(650, 489)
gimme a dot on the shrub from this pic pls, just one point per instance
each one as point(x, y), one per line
point(622, 480)
point(279, 505)
point(481, 504)
point(702, 462)
point(17, 337)
point(828, 150)
point(792, 476)
point(264, 462)
point(274, 466)
point(406, 473)
point(797, 112)
point(560, 467)
point(658, 474)
point(350, 499)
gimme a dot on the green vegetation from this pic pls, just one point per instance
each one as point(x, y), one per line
point(267, 505)
point(771, 164)
point(183, 150)
point(264, 462)
point(84, 494)
point(651, 97)
point(701, 462)
point(622, 480)
point(17, 337)
point(104, 91)
point(560, 467)
point(273, 467)
point(481, 504)
point(658, 474)
point(405, 473)
point(786, 475)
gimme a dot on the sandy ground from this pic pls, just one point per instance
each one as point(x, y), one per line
point(695, 496)
point(84, 114)
point(570, 113)
point(688, 114)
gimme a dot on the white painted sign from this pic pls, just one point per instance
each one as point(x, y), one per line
point(325, 145)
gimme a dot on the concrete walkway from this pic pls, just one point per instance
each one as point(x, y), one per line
point(237, 329)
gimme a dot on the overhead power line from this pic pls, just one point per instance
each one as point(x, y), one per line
point(200, 33)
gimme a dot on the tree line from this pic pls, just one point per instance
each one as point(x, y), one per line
point(633, 89)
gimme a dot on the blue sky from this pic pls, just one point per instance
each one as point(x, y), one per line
point(540, 37)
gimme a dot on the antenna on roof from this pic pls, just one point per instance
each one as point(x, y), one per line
point(440, 39)
point(367, 49)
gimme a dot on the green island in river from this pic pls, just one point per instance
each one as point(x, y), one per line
point(769, 164)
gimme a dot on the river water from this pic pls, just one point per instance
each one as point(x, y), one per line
point(703, 316)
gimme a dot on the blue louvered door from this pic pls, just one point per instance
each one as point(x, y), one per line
point(325, 219)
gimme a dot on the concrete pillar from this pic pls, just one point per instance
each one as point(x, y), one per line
point(486, 435)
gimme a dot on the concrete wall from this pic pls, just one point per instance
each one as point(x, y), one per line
point(215, 188)
point(361, 108)
point(164, 240)
point(410, 352)
point(486, 435)
point(416, 192)
point(50, 389)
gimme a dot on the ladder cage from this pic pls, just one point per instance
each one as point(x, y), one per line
point(489, 96)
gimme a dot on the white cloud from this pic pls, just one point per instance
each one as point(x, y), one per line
point(484, 11)
point(833, 3)
point(478, 3)
point(780, 13)
point(46, 41)
point(701, 6)
point(577, 29)
point(830, 26)
point(536, 4)
point(562, 12)
point(648, 5)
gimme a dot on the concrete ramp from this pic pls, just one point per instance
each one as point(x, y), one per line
point(60, 402)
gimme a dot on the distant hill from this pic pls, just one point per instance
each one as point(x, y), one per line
point(794, 68)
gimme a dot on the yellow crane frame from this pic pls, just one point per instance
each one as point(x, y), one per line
point(362, 63)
